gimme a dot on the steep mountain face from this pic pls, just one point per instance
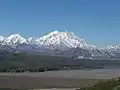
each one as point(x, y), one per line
point(114, 50)
point(62, 40)
point(57, 43)
point(4, 50)
point(26, 48)
point(14, 40)
point(2, 39)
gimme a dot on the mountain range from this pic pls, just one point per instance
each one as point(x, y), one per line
point(57, 43)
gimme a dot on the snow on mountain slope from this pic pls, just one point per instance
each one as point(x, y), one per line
point(2, 39)
point(14, 40)
point(52, 40)
point(33, 41)
point(56, 42)
point(62, 39)
point(113, 49)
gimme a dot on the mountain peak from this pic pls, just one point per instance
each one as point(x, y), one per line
point(14, 39)
point(62, 39)
point(54, 32)
point(15, 34)
point(2, 38)
point(57, 32)
point(53, 39)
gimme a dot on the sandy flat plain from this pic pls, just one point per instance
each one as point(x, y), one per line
point(57, 79)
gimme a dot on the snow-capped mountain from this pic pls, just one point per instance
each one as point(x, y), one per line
point(2, 39)
point(54, 40)
point(113, 48)
point(62, 39)
point(58, 43)
point(14, 40)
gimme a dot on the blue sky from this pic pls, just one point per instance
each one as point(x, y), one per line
point(97, 21)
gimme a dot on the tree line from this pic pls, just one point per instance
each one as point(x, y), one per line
point(20, 70)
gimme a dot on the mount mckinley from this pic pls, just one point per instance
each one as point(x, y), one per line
point(57, 43)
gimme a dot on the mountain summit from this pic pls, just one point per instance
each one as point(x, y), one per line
point(60, 43)
point(62, 39)
point(53, 39)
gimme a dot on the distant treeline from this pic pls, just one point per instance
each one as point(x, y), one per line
point(20, 70)
point(22, 62)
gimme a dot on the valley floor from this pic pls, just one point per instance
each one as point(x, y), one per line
point(57, 79)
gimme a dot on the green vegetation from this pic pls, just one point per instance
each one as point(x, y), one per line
point(21, 62)
point(113, 84)
point(8, 89)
